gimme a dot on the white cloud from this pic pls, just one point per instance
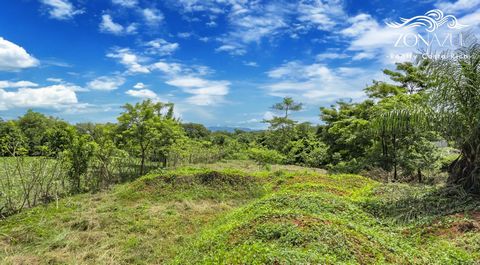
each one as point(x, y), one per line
point(457, 6)
point(106, 83)
point(252, 64)
point(370, 40)
point(205, 92)
point(317, 82)
point(330, 56)
point(126, 3)
point(10, 84)
point(129, 59)
point(152, 16)
point(268, 115)
point(139, 86)
point(61, 9)
point(324, 15)
point(232, 49)
point(359, 25)
point(254, 21)
point(56, 96)
point(107, 25)
point(168, 68)
point(14, 57)
point(161, 47)
point(54, 80)
point(143, 93)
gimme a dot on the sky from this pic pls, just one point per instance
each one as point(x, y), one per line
point(222, 62)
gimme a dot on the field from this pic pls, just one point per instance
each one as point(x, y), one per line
point(235, 213)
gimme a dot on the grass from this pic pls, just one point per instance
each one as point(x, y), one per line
point(220, 215)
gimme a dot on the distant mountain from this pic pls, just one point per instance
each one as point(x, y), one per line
point(227, 129)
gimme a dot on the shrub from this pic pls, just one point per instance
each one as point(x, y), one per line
point(264, 156)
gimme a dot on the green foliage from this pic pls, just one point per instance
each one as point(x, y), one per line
point(265, 156)
point(195, 130)
point(144, 127)
point(454, 98)
point(204, 216)
point(78, 156)
point(12, 141)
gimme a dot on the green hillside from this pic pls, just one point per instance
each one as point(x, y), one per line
point(289, 215)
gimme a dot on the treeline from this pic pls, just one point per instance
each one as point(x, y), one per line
point(44, 158)
point(401, 129)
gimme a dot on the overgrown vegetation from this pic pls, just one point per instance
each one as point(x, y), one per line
point(232, 216)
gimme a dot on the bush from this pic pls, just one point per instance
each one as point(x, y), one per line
point(264, 156)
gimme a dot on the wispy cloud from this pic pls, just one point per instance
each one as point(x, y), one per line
point(458, 6)
point(317, 82)
point(126, 3)
point(61, 9)
point(106, 83)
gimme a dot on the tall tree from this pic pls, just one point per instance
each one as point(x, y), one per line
point(147, 123)
point(455, 98)
point(287, 105)
point(281, 129)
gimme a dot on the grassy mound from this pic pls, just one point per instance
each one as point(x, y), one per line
point(320, 220)
point(143, 222)
point(287, 216)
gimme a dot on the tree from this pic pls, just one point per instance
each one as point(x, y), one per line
point(393, 128)
point(78, 155)
point(287, 105)
point(195, 130)
point(12, 141)
point(455, 101)
point(147, 123)
point(346, 130)
point(281, 129)
point(34, 126)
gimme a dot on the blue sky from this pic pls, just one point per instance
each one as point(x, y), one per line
point(222, 62)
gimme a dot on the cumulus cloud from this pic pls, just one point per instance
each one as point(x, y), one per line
point(371, 40)
point(152, 16)
point(14, 57)
point(61, 9)
point(143, 94)
point(56, 97)
point(205, 92)
point(107, 25)
point(139, 86)
point(106, 83)
point(161, 47)
point(129, 59)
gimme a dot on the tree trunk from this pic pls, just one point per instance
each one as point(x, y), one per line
point(419, 175)
point(142, 165)
point(395, 173)
point(465, 170)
